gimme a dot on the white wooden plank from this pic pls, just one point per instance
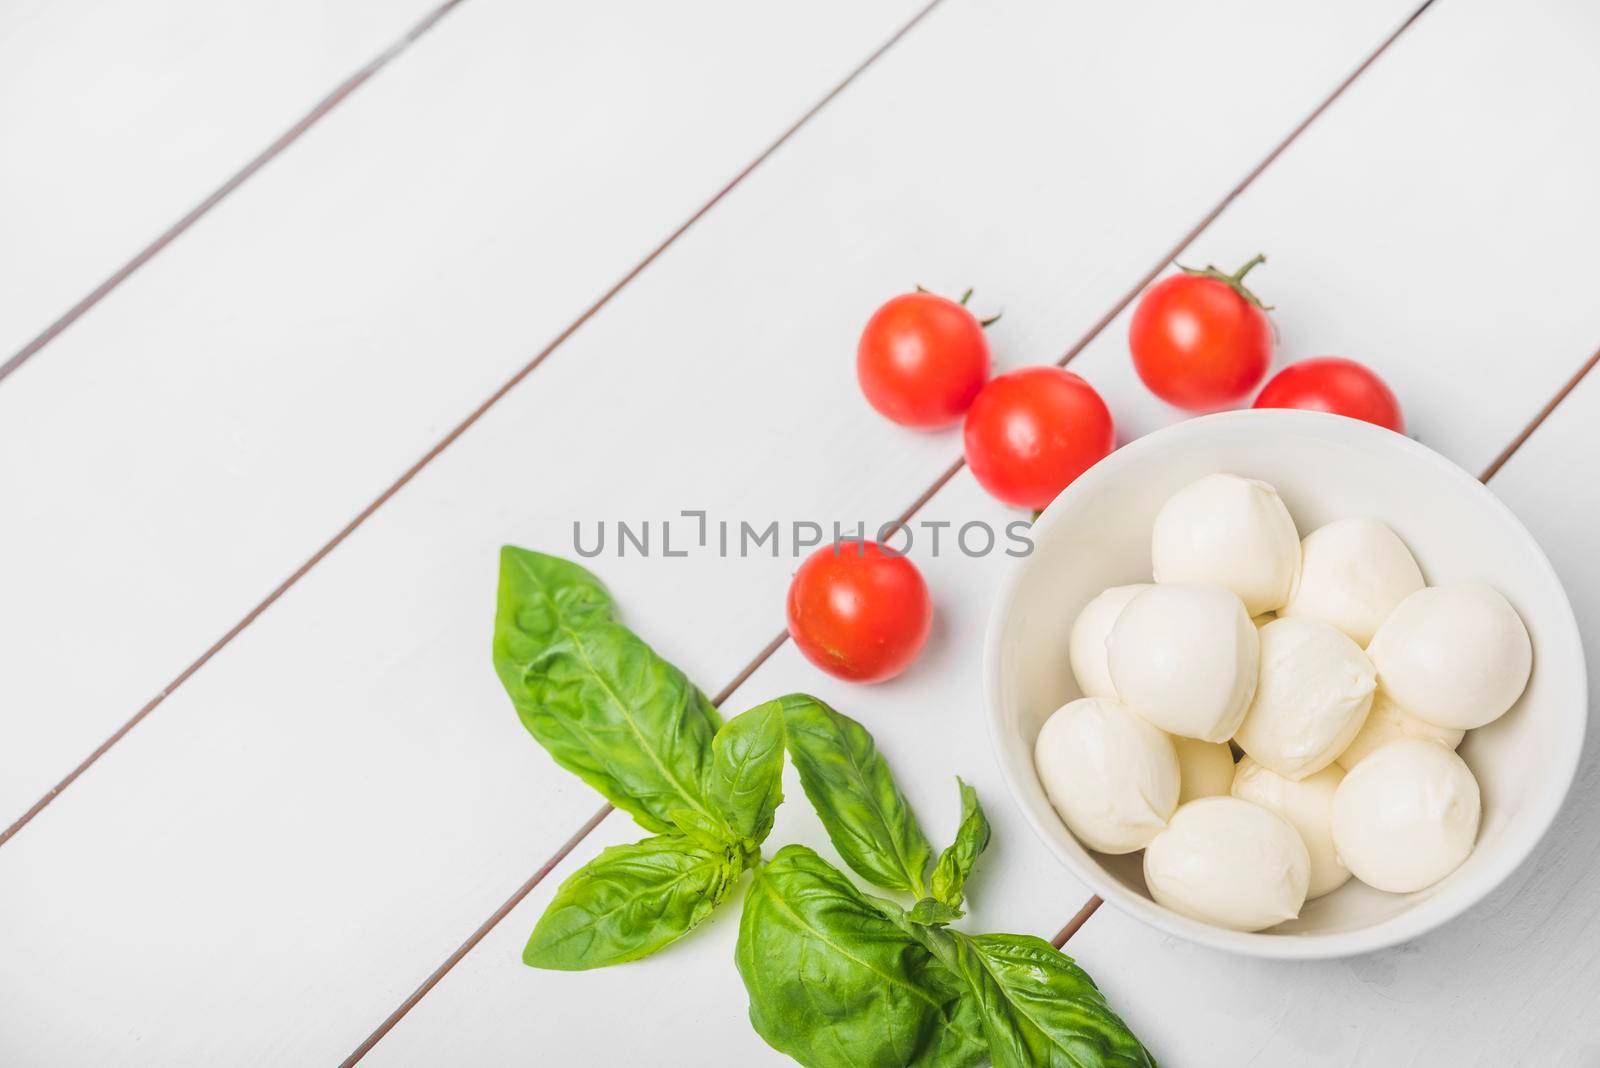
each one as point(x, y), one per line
point(354, 730)
point(116, 119)
point(229, 408)
point(1511, 982)
point(1194, 1006)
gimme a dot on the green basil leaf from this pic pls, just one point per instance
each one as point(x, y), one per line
point(597, 697)
point(629, 902)
point(833, 981)
point(747, 770)
point(1039, 1009)
point(955, 863)
point(866, 816)
point(705, 831)
point(931, 912)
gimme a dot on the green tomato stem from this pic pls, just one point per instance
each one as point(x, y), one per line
point(1234, 281)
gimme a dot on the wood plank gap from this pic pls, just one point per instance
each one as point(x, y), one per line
point(1243, 184)
point(267, 155)
point(477, 936)
point(1544, 413)
point(465, 424)
point(526, 888)
point(1077, 921)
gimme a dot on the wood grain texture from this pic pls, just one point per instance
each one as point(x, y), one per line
point(117, 119)
point(317, 819)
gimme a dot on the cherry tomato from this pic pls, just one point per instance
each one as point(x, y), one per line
point(921, 360)
point(1031, 432)
point(858, 611)
point(1201, 340)
point(1334, 384)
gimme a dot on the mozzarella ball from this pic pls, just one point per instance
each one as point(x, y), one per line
point(1229, 862)
point(1205, 769)
point(1456, 656)
point(1184, 658)
point(1388, 721)
point(1308, 806)
point(1231, 532)
point(1353, 573)
point(1088, 644)
point(1313, 695)
point(1406, 816)
point(1111, 776)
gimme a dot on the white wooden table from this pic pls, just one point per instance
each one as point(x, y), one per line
point(315, 303)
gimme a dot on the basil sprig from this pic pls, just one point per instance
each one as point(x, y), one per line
point(835, 977)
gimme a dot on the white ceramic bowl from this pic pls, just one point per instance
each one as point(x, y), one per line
point(1097, 534)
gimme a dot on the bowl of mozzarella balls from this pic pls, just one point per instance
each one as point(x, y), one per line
point(1286, 684)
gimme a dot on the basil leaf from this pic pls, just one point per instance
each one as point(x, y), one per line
point(705, 831)
point(629, 902)
point(931, 912)
point(747, 770)
point(1038, 1007)
point(834, 982)
point(865, 814)
point(597, 697)
point(955, 863)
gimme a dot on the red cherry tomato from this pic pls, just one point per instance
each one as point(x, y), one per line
point(921, 360)
point(1031, 432)
point(859, 612)
point(1334, 384)
point(1201, 340)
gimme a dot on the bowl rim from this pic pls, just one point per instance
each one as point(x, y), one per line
point(1436, 911)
